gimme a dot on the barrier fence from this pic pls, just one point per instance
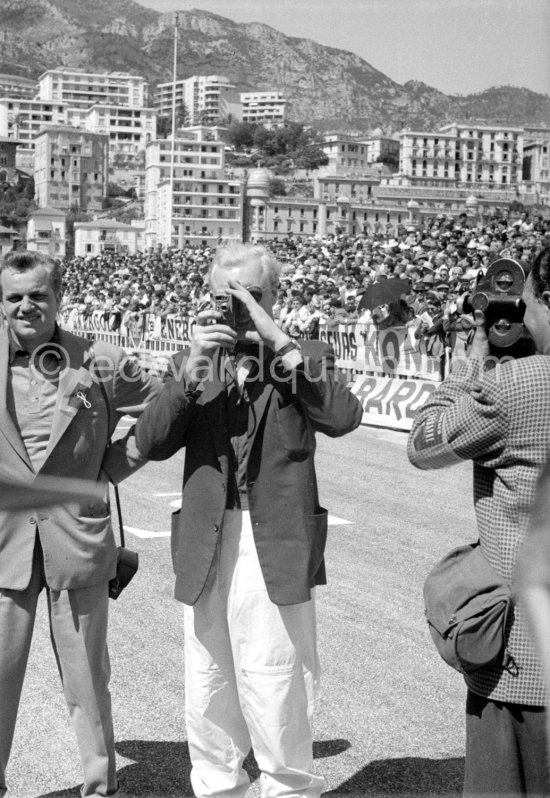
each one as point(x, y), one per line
point(388, 370)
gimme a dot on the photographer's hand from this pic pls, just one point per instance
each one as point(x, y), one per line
point(266, 328)
point(207, 337)
point(480, 346)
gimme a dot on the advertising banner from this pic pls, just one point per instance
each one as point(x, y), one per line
point(389, 402)
point(393, 352)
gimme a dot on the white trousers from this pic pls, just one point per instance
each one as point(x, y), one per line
point(251, 670)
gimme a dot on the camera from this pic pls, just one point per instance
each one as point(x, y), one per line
point(223, 303)
point(126, 568)
point(498, 295)
point(234, 312)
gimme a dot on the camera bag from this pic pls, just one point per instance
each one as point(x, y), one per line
point(467, 607)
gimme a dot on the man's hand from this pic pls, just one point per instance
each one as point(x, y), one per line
point(267, 329)
point(208, 335)
point(480, 345)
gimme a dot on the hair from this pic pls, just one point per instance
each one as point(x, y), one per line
point(540, 272)
point(234, 255)
point(24, 261)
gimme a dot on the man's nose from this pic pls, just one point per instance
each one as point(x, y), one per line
point(26, 304)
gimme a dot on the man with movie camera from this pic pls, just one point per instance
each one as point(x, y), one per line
point(248, 544)
point(497, 414)
point(60, 400)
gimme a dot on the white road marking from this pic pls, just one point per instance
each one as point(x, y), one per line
point(333, 520)
point(146, 533)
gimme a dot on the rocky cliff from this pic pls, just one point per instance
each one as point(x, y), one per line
point(326, 86)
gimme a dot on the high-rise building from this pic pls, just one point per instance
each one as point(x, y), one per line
point(191, 202)
point(201, 99)
point(129, 129)
point(23, 119)
point(71, 168)
point(79, 90)
point(16, 86)
point(263, 107)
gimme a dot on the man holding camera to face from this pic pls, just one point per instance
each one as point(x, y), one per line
point(249, 540)
point(498, 416)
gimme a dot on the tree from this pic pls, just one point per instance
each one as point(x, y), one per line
point(16, 204)
point(277, 187)
point(311, 157)
point(241, 135)
point(164, 127)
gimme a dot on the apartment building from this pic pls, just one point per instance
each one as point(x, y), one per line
point(201, 99)
point(79, 90)
point(23, 119)
point(129, 129)
point(463, 154)
point(536, 163)
point(188, 200)
point(263, 107)
point(346, 154)
point(16, 86)
point(47, 232)
point(71, 168)
point(8, 150)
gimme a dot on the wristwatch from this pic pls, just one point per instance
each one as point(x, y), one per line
point(284, 350)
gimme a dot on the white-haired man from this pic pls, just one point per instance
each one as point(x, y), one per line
point(249, 541)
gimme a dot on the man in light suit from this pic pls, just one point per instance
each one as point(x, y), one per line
point(249, 541)
point(500, 419)
point(59, 403)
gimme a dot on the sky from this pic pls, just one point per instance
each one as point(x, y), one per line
point(456, 46)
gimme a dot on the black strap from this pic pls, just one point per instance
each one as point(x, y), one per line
point(117, 494)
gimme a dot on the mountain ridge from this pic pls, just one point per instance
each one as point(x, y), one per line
point(326, 86)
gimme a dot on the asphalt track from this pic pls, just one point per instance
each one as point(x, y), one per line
point(389, 720)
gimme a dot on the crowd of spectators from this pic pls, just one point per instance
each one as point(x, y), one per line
point(329, 279)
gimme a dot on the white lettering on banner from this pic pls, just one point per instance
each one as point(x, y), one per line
point(391, 352)
point(391, 402)
point(137, 330)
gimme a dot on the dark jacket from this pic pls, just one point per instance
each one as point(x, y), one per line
point(289, 524)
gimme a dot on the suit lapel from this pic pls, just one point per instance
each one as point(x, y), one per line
point(74, 383)
point(7, 426)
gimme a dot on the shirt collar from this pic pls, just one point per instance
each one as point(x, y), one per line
point(16, 349)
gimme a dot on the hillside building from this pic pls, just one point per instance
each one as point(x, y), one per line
point(79, 90)
point(47, 232)
point(267, 108)
point(9, 239)
point(346, 154)
point(462, 155)
point(191, 202)
point(129, 129)
point(8, 170)
point(71, 169)
point(201, 99)
point(23, 119)
point(16, 86)
point(536, 164)
point(107, 235)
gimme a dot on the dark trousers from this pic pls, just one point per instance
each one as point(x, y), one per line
point(506, 752)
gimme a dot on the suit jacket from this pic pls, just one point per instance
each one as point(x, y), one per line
point(501, 421)
point(288, 522)
point(76, 538)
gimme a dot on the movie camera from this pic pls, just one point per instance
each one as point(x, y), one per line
point(498, 294)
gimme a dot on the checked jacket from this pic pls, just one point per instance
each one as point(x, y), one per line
point(500, 420)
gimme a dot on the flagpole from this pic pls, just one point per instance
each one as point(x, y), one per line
point(173, 148)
